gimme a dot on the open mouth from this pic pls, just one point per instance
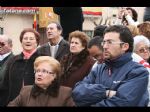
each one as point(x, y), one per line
point(39, 79)
point(28, 45)
point(49, 34)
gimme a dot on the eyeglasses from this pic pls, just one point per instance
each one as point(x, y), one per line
point(43, 71)
point(2, 44)
point(29, 38)
point(142, 50)
point(110, 42)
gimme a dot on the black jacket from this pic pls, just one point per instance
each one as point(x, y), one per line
point(63, 49)
point(19, 70)
point(3, 65)
point(71, 19)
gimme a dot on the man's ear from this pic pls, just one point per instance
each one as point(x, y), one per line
point(60, 32)
point(125, 46)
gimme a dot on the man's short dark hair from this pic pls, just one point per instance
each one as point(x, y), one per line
point(99, 30)
point(95, 41)
point(125, 34)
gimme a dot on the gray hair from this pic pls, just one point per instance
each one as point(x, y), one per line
point(7, 39)
point(141, 38)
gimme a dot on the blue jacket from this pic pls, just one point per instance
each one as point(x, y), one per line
point(128, 78)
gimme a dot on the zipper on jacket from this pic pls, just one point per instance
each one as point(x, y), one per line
point(109, 71)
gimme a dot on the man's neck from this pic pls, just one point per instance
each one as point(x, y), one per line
point(54, 41)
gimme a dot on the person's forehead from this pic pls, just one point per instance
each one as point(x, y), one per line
point(3, 38)
point(95, 47)
point(142, 43)
point(95, 50)
point(129, 10)
point(112, 35)
point(52, 25)
point(75, 39)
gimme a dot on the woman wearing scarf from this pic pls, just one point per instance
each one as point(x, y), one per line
point(20, 70)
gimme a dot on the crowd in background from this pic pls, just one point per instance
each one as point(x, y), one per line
point(109, 70)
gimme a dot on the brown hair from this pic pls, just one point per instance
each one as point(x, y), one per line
point(81, 36)
point(37, 35)
point(144, 29)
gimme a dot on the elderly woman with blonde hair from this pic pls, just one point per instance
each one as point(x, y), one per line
point(47, 90)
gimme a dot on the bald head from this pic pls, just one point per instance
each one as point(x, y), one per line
point(5, 44)
point(6, 39)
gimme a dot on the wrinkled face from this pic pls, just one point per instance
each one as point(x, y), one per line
point(143, 50)
point(96, 52)
point(112, 46)
point(29, 42)
point(44, 75)
point(76, 46)
point(4, 46)
point(52, 31)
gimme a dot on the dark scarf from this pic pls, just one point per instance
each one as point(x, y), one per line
point(52, 89)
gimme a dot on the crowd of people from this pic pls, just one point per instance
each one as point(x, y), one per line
point(110, 70)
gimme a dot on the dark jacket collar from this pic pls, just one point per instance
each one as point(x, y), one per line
point(21, 55)
point(125, 58)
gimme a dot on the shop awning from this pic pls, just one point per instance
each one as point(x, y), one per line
point(92, 10)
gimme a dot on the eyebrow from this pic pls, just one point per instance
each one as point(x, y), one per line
point(109, 40)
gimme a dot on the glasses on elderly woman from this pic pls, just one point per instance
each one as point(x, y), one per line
point(2, 44)
point(142, 50)
point(44, 72)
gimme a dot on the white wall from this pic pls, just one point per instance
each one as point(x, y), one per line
point(13, 25)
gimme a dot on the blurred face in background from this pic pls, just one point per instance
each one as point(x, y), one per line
point(29, 42)
point(130, 12)
point(143, 50)
point(5, 47)
point(52, 31)
point(76, 45)
point(96, 52)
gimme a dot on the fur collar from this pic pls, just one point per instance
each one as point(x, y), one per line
point(72, 62)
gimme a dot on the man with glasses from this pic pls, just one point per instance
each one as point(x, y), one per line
point(5, 54)
point(118, 81)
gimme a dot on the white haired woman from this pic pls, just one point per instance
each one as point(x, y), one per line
point(142, 48)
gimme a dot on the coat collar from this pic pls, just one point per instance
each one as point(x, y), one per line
point(125, 58)
point(20, 56)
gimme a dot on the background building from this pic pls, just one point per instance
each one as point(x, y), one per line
point(14, 19)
